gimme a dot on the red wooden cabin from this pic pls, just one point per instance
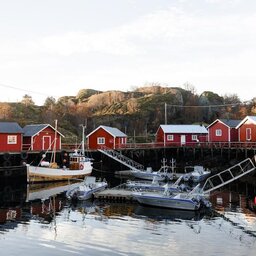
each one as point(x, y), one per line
point(181, 135)
point(39, 137)
point(105, 136)
point(10, 137)
point(247, 129)
point(223, 130)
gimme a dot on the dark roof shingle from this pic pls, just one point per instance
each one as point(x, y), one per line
point(10, 127)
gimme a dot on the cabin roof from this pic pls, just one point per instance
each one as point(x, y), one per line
point(111, 130)
point(10, 127)
point(251, 118)
point(33, 129)
point(183, 128)
point(232, 123)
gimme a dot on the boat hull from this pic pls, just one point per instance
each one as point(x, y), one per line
point(148, 176)
point(166, 201)
point(43, 174)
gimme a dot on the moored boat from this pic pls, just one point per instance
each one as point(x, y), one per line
point(76, 166)
point(86, 189)
point(198, 173)
point(184, 201)
point(79, 167)
point(156, 185)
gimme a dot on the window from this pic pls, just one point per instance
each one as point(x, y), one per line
point(101, 140)
point(194, 137)
point(12, 139)
point(169, 137)
point(218, 132)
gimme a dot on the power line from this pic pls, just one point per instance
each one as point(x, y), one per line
point(25, 90)
point(206, 106)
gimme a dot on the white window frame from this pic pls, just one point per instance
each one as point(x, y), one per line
point(11, 139)
point(101, 140)
point(218, 132)
point(194, 137)
point(169, 137)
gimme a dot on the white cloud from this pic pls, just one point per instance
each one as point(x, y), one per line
point(205, 46)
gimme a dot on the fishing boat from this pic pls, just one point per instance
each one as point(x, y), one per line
point(184, 201)
point(79, 166)
point(86, 189)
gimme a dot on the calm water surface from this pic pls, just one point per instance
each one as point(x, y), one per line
point(55, 227)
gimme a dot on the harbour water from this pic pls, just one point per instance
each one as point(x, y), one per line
point(33, 222)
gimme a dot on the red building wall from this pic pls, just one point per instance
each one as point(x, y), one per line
point(242, 131)
point(188, 139)
point(4, 147)
point(212, 132)
point(110, 141)
point(93, 138)
point(161, 137)
point(44, 140)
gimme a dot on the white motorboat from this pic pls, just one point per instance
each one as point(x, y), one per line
point(161, 175)
point(184, 201)
point(198, 173)
point(86, 189)
point(155, 185)
point(79, 167)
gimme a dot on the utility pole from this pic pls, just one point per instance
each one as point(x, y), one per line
point(165, 113)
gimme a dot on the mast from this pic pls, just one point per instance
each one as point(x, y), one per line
point(83, 126)
point(55, 138)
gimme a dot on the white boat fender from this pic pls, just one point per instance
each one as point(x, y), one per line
point(45, 163)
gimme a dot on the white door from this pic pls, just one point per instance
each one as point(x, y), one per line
point(46, 142)
point(182, 140)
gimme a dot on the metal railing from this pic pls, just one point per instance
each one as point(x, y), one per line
point(122, 159)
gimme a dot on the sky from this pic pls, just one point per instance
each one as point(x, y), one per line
point(54, 48)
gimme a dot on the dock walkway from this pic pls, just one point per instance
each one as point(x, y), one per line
point(119, 193)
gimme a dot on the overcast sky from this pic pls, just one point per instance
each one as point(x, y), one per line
point(57, 47)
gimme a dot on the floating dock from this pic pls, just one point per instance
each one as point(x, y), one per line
point(119, 193)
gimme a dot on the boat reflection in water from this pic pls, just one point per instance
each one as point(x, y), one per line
point(45, 190)
point(55, 226)
point(155, 213)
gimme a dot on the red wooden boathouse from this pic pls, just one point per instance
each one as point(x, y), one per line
point(105, 136)
point(181, 135)
point(223, 130)
point(247, 129)
point(10, 137)
point(39, 137)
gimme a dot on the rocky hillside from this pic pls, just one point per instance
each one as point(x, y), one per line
point(138, 113)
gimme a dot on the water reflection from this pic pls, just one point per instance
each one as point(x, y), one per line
point(169, 214)
point(41, 216)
